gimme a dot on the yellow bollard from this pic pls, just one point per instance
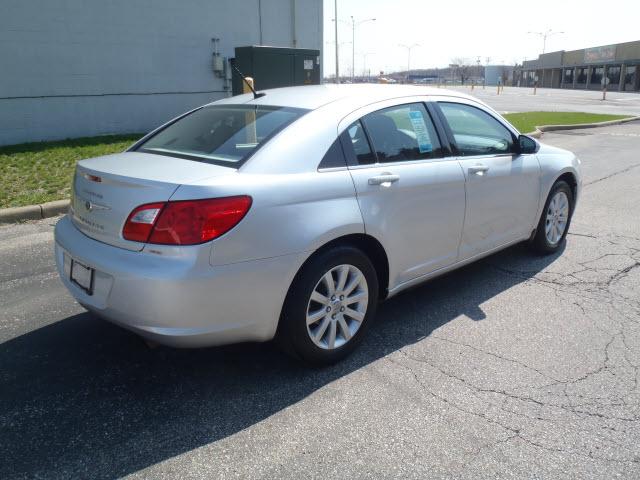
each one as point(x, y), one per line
point(250, 116)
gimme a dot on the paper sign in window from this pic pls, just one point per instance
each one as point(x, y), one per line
point(420, 129)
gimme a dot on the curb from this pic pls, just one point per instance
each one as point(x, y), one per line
point(33, 212)
point(537, 133)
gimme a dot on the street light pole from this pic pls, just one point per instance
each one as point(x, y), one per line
point(547, 33)
point(336, 32)
point(354, 24)
point(364, 66)
point(408, 47)
point(544, 35)
point(353, 50)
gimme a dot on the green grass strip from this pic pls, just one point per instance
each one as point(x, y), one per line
point(32, 173)
point(527, 122)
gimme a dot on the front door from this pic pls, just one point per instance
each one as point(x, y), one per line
point(411, 198)
point(502, 187)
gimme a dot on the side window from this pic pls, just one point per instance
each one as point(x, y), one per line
point(476, 132)
point(334, 156)
point(403, 133)
point(356, 145)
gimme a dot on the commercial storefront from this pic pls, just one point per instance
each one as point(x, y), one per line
point(618, 65)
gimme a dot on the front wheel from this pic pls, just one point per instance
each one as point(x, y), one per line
point(329, 306)
point(555, 219)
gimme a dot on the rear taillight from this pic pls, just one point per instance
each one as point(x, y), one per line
point(185, 222)
point(140, 222)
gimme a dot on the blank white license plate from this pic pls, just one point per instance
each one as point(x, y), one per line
point(82, 276)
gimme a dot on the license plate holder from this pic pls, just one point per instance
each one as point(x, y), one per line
point(82, 276)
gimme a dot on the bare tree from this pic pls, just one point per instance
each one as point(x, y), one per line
point(464, 68)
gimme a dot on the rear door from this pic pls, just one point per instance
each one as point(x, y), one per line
point(502, 186)
point(411, 197)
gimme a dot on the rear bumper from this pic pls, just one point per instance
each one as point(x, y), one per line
point(182, 300)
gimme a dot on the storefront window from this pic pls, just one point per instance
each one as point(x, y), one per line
point(630, 77)
point(596, 75)
point(614, 75)
point(568, 75)
point(582, 75)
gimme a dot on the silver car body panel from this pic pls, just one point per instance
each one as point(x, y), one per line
point(181, 300)
point(434, 219)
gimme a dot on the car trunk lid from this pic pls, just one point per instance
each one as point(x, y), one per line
point(106, 189)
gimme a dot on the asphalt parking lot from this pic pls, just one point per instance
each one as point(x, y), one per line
point(518, 366)
point(513, 99)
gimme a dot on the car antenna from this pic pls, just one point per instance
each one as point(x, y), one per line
point(232, 62)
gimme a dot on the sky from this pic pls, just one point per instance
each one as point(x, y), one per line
point(451, 29)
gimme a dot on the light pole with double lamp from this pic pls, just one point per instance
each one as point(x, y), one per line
point(544, 35)
point(354, 24)
point(547, 33)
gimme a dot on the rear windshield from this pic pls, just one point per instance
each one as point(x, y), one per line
point(221, 134)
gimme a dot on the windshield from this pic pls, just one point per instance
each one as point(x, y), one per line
point(225, 135)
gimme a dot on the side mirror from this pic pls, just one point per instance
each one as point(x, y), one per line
point(527, 144)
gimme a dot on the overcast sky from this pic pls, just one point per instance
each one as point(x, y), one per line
point(447, 29)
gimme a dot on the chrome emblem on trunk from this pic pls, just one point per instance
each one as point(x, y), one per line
point(90, 206)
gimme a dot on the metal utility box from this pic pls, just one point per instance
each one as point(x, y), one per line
point(273, 67)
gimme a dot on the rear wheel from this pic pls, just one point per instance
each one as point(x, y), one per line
point(555, 219)
point(329, 306)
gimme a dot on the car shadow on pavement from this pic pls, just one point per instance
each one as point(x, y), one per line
point(82, 398)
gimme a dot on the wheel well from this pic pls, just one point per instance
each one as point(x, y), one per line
point(571, 180)
point(372, 248)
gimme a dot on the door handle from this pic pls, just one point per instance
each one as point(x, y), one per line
point(384, 178)
point(479, 170)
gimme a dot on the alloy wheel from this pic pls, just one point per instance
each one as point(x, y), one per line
point(557, 217)
point(337, 306)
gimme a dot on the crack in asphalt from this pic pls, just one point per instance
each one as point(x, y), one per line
point(517, 433)
point(614, 174)
point(537, 406)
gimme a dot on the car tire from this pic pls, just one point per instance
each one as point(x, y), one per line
point(309, 342)
point(553, 226)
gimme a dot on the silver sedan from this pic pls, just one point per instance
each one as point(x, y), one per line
point(291, 215)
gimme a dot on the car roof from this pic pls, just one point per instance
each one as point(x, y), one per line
point(312, 97)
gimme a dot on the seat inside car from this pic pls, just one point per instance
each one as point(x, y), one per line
point(387, 139)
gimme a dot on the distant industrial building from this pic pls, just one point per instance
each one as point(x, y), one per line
point(498, 74)
point(585, 68)
point(89, 67)
point(456, 74)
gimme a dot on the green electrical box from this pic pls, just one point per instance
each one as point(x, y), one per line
point(273, 67)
